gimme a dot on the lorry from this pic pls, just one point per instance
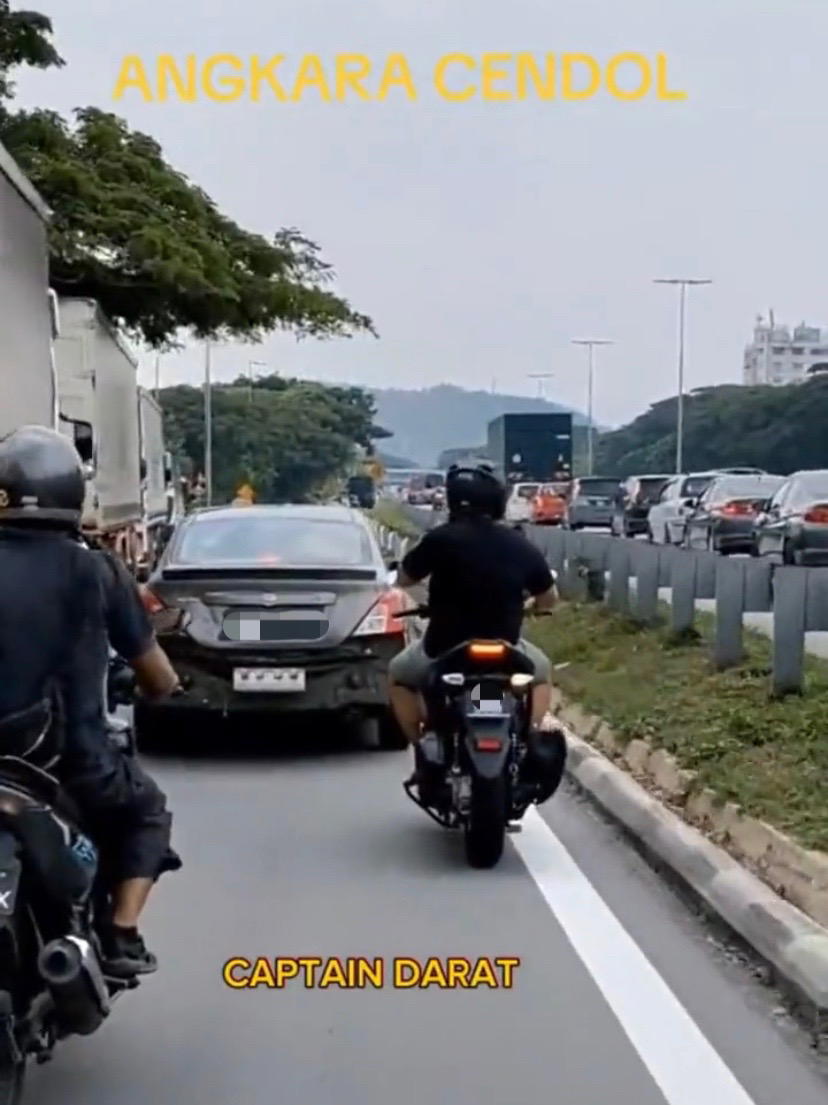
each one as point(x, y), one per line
point(531, 447)
point(158, 506)
point(97, 383)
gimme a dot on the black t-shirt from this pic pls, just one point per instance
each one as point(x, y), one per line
point(480, 573)
point(61, 605)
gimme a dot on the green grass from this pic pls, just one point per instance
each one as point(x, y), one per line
point(391, 514)
point(770, 757)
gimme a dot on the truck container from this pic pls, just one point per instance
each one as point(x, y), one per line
point(156, 478)
point(527, 447)
point(97, 383)
point(28, 319)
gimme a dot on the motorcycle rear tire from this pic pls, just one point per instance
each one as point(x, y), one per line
point(485, 830)
point(12, 1067)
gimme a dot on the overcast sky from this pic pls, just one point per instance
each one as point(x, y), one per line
point(482, 236)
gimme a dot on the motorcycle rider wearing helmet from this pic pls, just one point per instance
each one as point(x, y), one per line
point(60, 606)
point(480, 573)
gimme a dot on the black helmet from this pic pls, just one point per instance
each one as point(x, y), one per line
point(475, 492)
point(41, 478)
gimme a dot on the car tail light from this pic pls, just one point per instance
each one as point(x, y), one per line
point(817, 513)
point(488, 744)
point(164, 618)
point(381, 620)
point(735, 510)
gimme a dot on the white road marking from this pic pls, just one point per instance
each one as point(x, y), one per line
point(682, 1062)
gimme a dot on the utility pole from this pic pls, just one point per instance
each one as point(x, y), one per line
point(683, 284)
point(250, 366)
point(590, 343)
point(541, 377)
point(208, 426)
point(157, 377)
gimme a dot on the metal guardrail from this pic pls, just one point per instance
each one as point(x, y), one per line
point(628, 575)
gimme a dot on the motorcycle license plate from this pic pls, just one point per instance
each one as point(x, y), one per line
point(269, 680)
point(9, 881)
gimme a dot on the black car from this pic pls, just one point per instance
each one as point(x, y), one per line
point(633, 500)
point(794, 528)
point(723, 518)
point(288, 609)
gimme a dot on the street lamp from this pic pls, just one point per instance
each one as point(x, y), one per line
point(683, 283)
point(541, 377)
point(590, 343)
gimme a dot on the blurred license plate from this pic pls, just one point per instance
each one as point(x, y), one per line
point(269, 680)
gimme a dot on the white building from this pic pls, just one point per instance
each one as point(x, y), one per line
point(781, 355)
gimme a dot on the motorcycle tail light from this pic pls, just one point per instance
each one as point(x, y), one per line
point(488, 744)
point(487, 650)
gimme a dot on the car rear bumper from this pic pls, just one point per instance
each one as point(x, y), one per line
point(590, 516)
point(811, 543)
point(351, 678)
point(734, 534)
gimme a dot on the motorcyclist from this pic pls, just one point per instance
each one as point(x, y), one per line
point(60, 607)
point(480, 573)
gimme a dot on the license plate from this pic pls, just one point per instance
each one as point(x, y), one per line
point(9, 881)
point(269, 680)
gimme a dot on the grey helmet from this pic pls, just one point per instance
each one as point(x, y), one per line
point(41, 478)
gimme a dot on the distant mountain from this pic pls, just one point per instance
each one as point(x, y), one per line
point(425, 423)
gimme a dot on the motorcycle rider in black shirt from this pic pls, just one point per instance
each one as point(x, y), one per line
point(60, 606)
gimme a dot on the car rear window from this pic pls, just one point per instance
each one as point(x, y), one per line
point(650, 490)
point(266, 540)
point(694, 486)
point(746, 487)
point(811, 488)
point(597, 487)
point(527, 491)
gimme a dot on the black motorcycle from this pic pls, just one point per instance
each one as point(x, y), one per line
point(480, 767)
point(52, 985)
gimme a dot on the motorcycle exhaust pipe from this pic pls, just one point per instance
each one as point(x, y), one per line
point(70, 969)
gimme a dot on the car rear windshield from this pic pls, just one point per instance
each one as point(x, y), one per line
point(527, 491)
point(695, 485)
point(266, 540)
point(650, 490)
point(812, 487)
point(597, 487)
point(746, 487)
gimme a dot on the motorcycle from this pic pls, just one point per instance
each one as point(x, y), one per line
point(480, 764)
point(52, 984)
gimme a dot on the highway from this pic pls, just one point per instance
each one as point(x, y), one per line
point(622, 995)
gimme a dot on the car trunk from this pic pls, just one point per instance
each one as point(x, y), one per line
point(244, 608)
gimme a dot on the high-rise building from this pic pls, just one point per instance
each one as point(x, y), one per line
point(781, 354)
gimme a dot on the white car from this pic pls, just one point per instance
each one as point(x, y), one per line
point(666, 520)
point(519, 503)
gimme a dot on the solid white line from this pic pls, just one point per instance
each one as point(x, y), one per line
point(682, 1062)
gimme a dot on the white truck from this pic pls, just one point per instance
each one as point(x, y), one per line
point(97, 382)
point(157, 503)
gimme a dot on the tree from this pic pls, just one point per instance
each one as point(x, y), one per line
point(780, 429)
point(149, 245)
point(25, 39)
point(288, 439)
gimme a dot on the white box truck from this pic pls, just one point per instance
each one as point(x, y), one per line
point(157, 507)
point(97, 383)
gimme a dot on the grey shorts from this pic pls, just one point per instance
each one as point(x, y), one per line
point(409, 668)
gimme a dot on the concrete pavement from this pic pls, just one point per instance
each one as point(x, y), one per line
point(621, 994)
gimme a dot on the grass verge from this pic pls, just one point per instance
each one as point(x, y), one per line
point(770, 757)
point(391, 514)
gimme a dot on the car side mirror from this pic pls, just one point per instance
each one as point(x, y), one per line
point(84, 440)
point(691, 502)
point(392, 565)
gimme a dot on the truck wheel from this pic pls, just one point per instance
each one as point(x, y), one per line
point(392, 738)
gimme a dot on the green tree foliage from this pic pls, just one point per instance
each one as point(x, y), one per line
point(287, 438)
point(780, 429)
point(150, 246)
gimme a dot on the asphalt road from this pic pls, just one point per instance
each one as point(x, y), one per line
point(621, 994)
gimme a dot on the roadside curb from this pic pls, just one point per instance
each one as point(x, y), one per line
point(794, 944)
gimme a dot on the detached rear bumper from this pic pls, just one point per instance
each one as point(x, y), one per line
point(352, 677)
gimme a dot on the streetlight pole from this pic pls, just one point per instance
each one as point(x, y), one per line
point(541, 377)
point(250, 366)
point(590, 343)
point(683, 284)
point(208, 426)
point(157, 377)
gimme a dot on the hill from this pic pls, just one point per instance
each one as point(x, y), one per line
point(780, 429)
point(425, 423)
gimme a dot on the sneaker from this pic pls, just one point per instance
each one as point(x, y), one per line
point(124, 953)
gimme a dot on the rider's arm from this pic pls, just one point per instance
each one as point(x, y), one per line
point(131, 634)
point(418, 562)
point(540, 583)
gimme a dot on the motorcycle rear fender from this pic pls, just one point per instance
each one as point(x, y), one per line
point(488, 765)
point(10, 870)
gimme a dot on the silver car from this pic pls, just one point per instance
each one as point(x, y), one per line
point(667, 517)
point(794, 528)
point(282, 609)
point(592, 502)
